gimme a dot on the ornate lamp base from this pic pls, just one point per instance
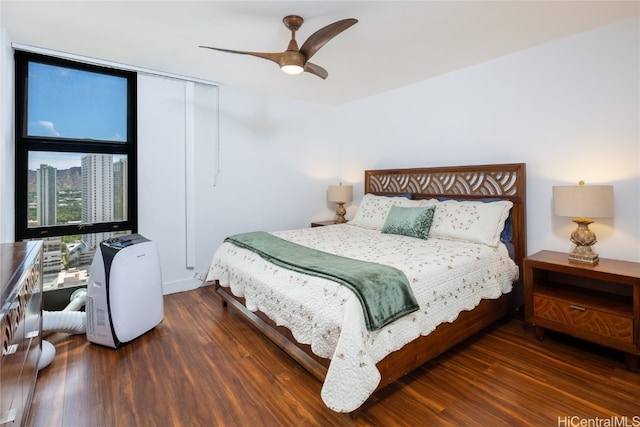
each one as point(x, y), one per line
point(340, 212)
point(583, 238)
point(585, 256)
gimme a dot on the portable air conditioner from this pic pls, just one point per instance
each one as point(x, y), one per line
point(124, 293)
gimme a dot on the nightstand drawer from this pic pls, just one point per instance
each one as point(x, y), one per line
point(595, 321)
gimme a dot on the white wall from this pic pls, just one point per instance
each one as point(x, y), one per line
point(568, 109)
point(6, 139)
point(276, 158)
point(161, 172)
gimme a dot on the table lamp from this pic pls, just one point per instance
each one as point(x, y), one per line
point(340, 194)
point(583, 202)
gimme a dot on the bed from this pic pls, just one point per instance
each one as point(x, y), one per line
point(464, 271)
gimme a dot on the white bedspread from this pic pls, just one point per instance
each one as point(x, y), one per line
point(446, 276)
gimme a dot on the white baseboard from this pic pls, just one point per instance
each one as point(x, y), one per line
point(181, 286)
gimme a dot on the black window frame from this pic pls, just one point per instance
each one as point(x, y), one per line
point(24, 144)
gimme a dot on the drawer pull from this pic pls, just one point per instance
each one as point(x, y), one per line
point(8, 416)
point(12, 305)
point(12, 349)
point(32, 334)
point(577, 307)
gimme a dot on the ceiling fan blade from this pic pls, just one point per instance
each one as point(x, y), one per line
point(275, 57)
point(316, 69)
point(323, 35)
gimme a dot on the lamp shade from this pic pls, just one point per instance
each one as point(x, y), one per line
point(340, 193)
point(587, 201)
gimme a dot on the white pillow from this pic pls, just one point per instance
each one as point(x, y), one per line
point(477, 222)
point(373, 210)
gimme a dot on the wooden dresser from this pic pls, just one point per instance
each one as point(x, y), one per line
point(598, 303)
point(21, 323)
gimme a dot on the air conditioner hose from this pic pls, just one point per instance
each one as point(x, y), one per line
point(78, 299)
point(47, 355)
point(69, 320)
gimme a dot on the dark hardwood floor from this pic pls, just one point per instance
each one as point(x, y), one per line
point(204, 366)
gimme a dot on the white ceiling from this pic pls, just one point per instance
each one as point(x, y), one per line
point(395, 43)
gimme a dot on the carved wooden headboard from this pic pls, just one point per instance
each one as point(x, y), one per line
point(500, 181)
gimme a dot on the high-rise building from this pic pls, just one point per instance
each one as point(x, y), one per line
point(97, 194)
point(46, 206)
point(120, 190)
point(51, 258)
point(46, 195)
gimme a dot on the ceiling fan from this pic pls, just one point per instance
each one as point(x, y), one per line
point(295, 60)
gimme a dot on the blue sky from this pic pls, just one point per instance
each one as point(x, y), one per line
point(70, 103)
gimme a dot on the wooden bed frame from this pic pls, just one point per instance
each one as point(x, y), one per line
point(500, 181)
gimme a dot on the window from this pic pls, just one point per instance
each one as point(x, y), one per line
point(75, 159)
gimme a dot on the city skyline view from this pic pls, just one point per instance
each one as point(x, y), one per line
point(60, 161)
point(103, 191)
point(101, 196)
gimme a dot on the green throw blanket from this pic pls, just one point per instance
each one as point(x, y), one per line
point(384, 291)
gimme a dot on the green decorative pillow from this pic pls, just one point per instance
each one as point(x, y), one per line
point(412, 222)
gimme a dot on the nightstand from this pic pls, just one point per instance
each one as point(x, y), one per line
point(322, 223)
point(599, 303)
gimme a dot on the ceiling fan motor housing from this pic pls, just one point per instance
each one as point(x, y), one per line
point(291, 57)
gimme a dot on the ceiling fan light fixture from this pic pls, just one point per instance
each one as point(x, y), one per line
point(292, 62)
point(295, 60)
point(292, 69)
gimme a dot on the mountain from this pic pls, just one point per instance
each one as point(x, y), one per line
point(66, 179)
